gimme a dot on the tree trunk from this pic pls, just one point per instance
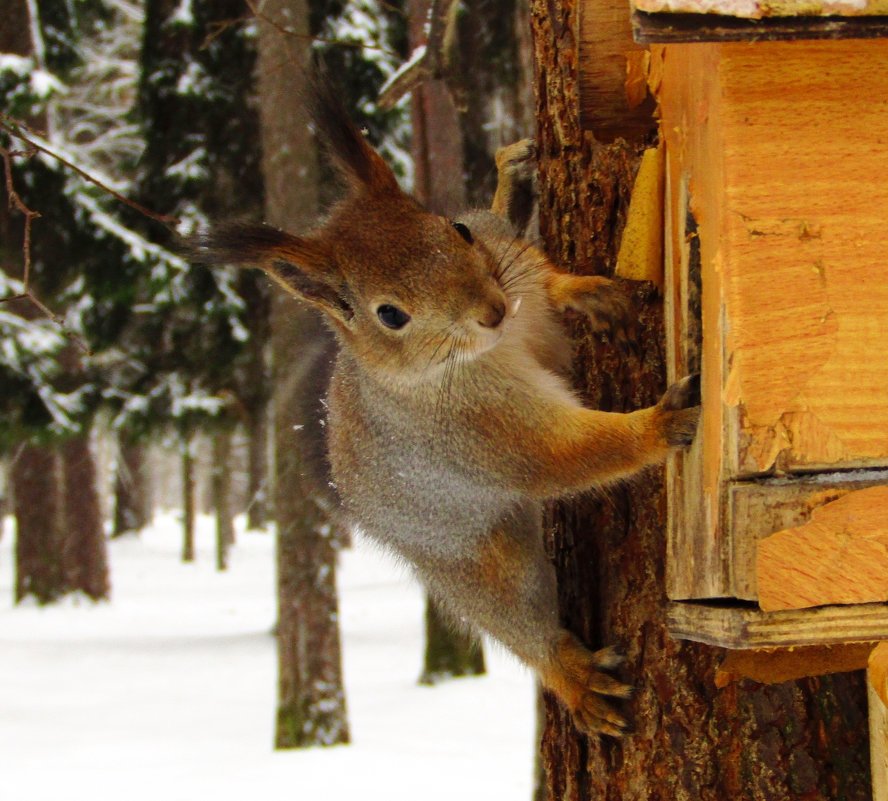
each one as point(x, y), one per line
point(131, 506)
point(311, 698)
point(801, 739)
point(37, 505)
point(221, 481)
point(448, 653)
point(257, 469)
point(85, 554)
point(188, 501)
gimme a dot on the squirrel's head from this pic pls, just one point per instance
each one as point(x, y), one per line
point(408, 291)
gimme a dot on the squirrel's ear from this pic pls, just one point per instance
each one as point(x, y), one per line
point(351, 153)
point(302, 266)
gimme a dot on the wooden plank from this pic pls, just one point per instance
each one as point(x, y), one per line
point(839, 557)
point(649, 28)
point(766, 9)
point(746, 627)
point(613, 95)
point(757, 509)
point(690, 111)
point(776, 665)
point(877, 692)
point(803, 229)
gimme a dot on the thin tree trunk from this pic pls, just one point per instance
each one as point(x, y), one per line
point(85, 554)
point(448, 653)
point(439, 164)
point(311, 697)
point(37, 505)
point(801, 739)
point(188, 508)
point(257, 469)
point(131, 505)
point(221, 480)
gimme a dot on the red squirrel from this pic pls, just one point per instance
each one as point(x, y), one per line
point(449, 419)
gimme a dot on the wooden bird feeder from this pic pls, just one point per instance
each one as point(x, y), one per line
point(773, 132)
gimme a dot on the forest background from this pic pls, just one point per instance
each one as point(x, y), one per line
point(133, 381)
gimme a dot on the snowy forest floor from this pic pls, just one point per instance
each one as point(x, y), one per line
point(168, 691)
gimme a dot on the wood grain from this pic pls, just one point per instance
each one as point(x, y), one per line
point(757, 509)
point(839, 557)
point(747, 627)
point(776, 665)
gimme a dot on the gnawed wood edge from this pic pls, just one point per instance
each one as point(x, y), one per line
point(739, 626)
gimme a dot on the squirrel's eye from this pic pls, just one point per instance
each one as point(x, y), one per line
point(392, 317)
point(463, 230)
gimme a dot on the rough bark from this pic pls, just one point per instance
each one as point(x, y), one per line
point(801, 739)
point(85, 553)
point(39, 544)
point(131, 504)
point(188, 501)
point(311, 697)
point(221, 485)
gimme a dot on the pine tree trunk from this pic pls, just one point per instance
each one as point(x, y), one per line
point(85, 554)
point(801, 739)
point(131, 506)
point(257, 470)
point(221, 481)
point(37, 505)
point(448, 653)
point(311, 697)
point(188, 501)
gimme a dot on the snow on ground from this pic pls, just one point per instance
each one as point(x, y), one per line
point(168, 691)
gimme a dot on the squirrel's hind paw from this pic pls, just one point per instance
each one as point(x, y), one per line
point(574, 674)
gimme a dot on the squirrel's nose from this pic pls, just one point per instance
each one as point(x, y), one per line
point(492, 314)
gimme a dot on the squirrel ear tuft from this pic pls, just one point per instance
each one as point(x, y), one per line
point(349, 150)
point(302, 266)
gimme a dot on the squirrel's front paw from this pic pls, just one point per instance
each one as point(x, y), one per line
point(680, 407)
point(606, 304)
point(575, 676)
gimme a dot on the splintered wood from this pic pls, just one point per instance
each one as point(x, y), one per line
point(839, 557)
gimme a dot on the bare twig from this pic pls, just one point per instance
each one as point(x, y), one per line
point(17, 129)
point(16, 203)
point(288, 31)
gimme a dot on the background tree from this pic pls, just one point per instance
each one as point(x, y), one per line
point(801, 739)
point(481, 102)
point(50, 392)
point(197, 345)
point(311, 697)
